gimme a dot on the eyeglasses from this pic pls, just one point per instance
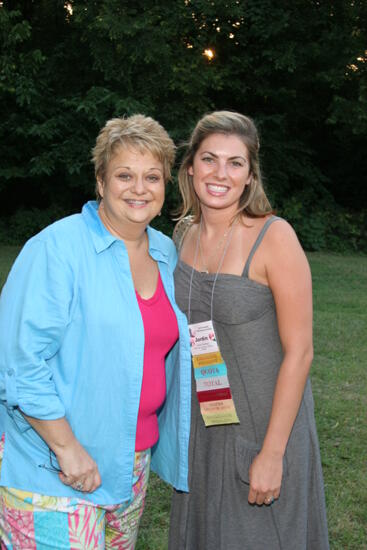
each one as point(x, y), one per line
point(51, 467)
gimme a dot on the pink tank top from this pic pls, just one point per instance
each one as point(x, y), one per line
point(161, 333)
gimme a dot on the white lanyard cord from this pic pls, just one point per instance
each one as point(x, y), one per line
point(228, 240)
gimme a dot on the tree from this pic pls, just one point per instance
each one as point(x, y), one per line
point(299, 69)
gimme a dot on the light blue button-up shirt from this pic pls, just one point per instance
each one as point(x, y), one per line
point(72, 344)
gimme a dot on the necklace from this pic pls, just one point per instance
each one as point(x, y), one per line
point(226, 245)
point(214, 394)
point(216, 248)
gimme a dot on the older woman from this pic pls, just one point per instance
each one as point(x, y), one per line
point(255, 477)
point(94, 358)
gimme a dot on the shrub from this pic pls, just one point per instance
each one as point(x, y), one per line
point(326, 226)
point(19, 227)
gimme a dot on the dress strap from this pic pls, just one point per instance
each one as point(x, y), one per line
point(260, 237)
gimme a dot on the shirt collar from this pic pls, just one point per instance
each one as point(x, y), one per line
point(102, 238)
point(158, 248)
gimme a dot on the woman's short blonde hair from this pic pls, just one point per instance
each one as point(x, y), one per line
point(137, 132)
point(253, 201)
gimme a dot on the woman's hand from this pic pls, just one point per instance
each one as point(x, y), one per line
point(78, 469)
point(265, 478)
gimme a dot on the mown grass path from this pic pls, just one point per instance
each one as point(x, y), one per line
point(339, 379)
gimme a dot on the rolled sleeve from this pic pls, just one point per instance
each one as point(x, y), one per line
point(35, 310)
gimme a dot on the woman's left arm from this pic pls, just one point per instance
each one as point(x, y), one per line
point(289, 278)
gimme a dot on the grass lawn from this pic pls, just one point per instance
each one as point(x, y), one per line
point(339, 377)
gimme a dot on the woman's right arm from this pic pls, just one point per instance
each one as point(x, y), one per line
point(289, 279)
point(36, 307)
point(75, 463)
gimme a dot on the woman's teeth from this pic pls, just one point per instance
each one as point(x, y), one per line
point(136, 203)
point(217, 188)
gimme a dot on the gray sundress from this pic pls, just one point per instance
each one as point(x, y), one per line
point(215, 514)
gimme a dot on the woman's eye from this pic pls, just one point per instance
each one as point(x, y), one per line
point(208, 159)
point(237, 163)
point(124, 176)
point(153, 178)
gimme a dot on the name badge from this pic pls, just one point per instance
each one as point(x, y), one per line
point(211, 376)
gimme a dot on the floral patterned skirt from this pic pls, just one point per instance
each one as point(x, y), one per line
point(38, 522)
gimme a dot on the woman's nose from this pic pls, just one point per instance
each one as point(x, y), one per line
point(221, 170)
point(139, 186)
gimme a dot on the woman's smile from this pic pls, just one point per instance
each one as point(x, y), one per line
point(217, 190)
point(220, 171)
point(133, 203)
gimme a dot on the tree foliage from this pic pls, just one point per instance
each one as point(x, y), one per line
point(298, 68)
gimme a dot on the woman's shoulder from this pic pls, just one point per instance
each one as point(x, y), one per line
point(60, 227)
point(181, 230)
point(64, 235)
point(279, 231)
point(59, 243)
point(281, 247)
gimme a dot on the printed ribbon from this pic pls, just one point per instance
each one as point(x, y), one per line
point(211, 377)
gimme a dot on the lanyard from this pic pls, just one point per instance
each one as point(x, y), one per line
point(227, 243)
point(210, 371)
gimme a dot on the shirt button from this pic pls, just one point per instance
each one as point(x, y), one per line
point(10, 372)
